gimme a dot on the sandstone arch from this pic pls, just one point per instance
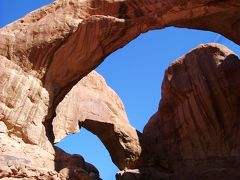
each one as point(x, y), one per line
point(47, 52)
point(53, 29)
point(96, 107)
point(41, 44)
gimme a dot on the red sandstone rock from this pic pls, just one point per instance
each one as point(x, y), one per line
point(195, 133)
point(40, 45)
point(43, 55)
point(96, 107)
point(97, 28)
point(19, 160)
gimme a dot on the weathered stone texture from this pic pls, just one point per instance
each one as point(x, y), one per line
point(44, 54)
point(195, 133)
point(95, 106)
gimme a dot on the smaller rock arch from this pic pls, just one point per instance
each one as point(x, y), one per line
point(95, 106)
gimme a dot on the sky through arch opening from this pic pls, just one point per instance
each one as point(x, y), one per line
point(135, 72)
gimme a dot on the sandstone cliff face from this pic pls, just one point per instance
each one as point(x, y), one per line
point(43, 55)
point(23, 104)
point(194, 134)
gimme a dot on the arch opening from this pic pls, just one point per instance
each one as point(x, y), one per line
point(129, 73)
point(136, 71)
point(92, 149)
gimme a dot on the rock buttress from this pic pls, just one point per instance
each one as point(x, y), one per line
point(195, 132)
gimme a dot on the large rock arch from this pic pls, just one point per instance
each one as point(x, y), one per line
point(44, 54)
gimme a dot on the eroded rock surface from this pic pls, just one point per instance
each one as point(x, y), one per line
point(20, 160)
point(23, 104)
point(42, 42)
point(43, 55)
point(195, 133)
point(60, 43)
point(95, 106)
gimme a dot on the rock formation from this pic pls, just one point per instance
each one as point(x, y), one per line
point(19, 160)
point(95, 106)
point(43, 55)
point(42, 42)
point(195, 132)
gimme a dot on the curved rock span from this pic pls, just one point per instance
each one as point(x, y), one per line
point(43, 55)
point(95, 106)
point(42, 42)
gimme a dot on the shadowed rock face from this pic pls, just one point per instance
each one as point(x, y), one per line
point(195, 132)
point(43, 55)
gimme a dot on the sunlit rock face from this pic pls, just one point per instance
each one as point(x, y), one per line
point(95, 106)
point(20, 160)
point(194, 134)
point(62, 42)
point(44, 54)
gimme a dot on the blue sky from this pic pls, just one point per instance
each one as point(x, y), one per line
point(135, 72)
